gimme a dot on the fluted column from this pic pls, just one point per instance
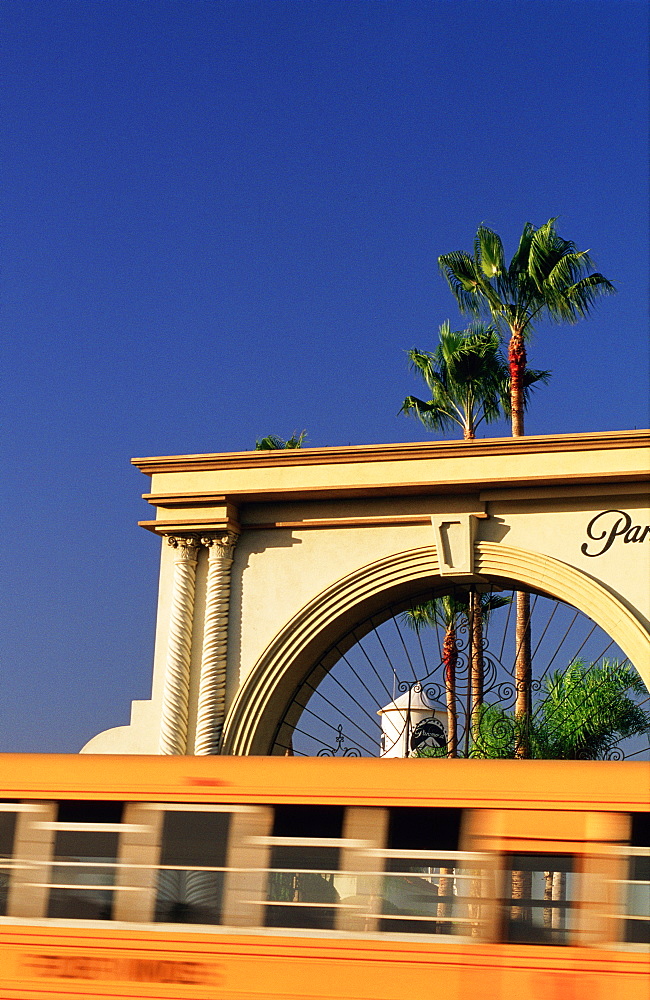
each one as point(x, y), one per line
point(173, 729)
point(212, 681)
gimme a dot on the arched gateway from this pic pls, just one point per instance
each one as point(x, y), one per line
point(273, 563)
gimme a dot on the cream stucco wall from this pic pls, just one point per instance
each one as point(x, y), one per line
point(309, 519)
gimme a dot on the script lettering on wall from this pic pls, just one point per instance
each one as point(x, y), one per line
point(608, 526)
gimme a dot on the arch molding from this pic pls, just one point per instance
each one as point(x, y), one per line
point(264, 696)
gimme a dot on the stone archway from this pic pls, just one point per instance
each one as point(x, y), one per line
point(265, 694)
point(268, 558)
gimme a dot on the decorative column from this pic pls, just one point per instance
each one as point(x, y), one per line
point(212, 681)
point(175, 706)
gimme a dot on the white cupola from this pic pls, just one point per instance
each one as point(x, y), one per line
point(409, 722)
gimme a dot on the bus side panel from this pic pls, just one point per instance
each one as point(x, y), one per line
point(530, 973)
point(37, 964)
point(43, 964)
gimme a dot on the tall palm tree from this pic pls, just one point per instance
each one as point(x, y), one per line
point(546, 278)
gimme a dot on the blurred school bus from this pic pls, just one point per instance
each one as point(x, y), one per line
point(251, 878)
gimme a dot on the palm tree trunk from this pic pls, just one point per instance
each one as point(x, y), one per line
point(554, 892)
point(548, 897)
point(476, 614)
point(521, 880)
point(517, 363)
point(559, 896)
point(445, 889)
point(523, 674)
point(449, 659)
point(522, 889)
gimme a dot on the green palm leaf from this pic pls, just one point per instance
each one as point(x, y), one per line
point(488, 249)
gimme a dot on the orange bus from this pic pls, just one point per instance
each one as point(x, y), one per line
point(251, 878)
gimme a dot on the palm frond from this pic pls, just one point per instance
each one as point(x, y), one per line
point(519, 262)
point(492, 602)
point(269, 443)
point(432, 413)
point(440, 612)
point(296, 440)
point(488, 251)
point(587, 710)
point(466, 282)
point(568, 269)
point(422, 362)
point(533, 378)
point(547, 248)
point(578, 300)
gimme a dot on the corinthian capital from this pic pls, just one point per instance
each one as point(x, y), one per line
point(187, 547)
point(221, 545)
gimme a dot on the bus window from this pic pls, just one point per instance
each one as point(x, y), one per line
point(539, 898)
point(192, 862)
point(637, 902)
point(84, 860)
point(430, 887)
point(7, 829)
point(304, 861)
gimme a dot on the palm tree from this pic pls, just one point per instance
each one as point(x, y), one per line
point(273, 442)
point(547, 278)
point(468, 378)
point(470, 383)
point(583, 713)
point(465, 375)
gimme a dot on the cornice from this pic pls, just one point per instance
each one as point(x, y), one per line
point(507, 486)
point(379, 521)
point(419, 450)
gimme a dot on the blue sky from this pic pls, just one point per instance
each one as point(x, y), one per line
point(222, 219)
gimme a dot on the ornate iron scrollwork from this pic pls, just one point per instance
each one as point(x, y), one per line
point(398, 668)
point(340, 750)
